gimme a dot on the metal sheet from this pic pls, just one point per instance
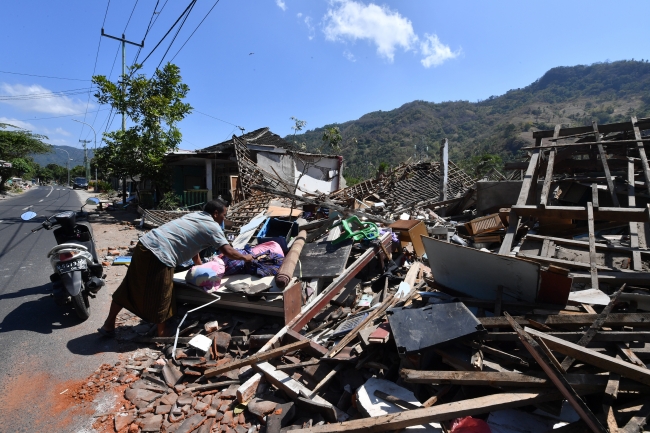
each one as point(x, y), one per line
point(416, 329)
point(479, 274)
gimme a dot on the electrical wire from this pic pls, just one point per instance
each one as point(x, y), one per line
point(94, 68)
point(57, 117)
point(197, 27)
point(129, 20)
point(177, 32)
point(216, 118)
point(192, 2)
point(43, 94)
point(43, 76)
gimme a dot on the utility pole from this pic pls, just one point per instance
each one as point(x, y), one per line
point(94, 153)
point(124, 42)
point(86, 165)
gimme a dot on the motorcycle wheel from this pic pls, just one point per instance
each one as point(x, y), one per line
point(81, 306)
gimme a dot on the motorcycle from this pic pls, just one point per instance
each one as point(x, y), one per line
point(78, 273)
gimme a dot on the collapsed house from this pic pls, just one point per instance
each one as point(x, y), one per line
point(199, 176)
point(424, 300)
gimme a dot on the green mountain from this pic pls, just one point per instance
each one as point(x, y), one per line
point(499, 125)
point(59, 157)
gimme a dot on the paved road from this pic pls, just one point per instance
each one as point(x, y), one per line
point(43, 348)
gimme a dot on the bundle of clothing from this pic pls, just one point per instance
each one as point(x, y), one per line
point(267, 259)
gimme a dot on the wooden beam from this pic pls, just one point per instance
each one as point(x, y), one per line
point(609, 336)
point(611, 392)
point(548, 178)
point(254, 359)
point(580, 213)
point(496, 378)
point(441, 412)
point(594, 328)
point(584, 130)
point(530, 173)
point(634, 227)
point(561, 320)
point(564, 262)
point(508, 239)
point(638, 421)
point(642, 155)
point(592, 246)
point(625, 369)
point(603, 160)
point(557, 377)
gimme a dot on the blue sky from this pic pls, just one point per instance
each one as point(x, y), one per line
point(256, 63)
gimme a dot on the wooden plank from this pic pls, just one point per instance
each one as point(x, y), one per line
point(292, 301)
point(603, 160)
point(563, 262)
point(607, 363)
point(513, 225)
point(605, 336)
point(254, 359)
point(634, 227)
point(441, 412)
point(594, 328)
point(642, 155)
point(561, 320)
point(592, 246)
point(494, 378)
point(584, 130)
point(580, 213)
point(557, 377)
point(629, 354)
point(611, 391)
point(530, 173)
point(548, 178)
point(638, 421)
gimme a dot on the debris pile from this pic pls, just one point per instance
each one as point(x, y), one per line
point(425, 300)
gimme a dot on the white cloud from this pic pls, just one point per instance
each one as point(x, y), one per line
point(387, 29)
point(281, 4)
point(348, 55)
point(42, 100)
point(310, 27)
point(299, 14)
point(435, 52)
point(57, 131)
point(17, 123)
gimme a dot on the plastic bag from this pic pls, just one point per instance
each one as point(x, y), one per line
point(208, 275)
point(470, 425)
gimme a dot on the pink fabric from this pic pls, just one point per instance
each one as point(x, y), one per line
point(208, 275)
point(470, 425)
point(270, 245)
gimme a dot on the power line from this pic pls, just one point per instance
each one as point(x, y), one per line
point(94, 67)
point(216, 118)
point(57, 117)
point(177, 32)
point(197, 27)
point(169, 31)
point(43, 76)
point(129, 20)
point(44, 95)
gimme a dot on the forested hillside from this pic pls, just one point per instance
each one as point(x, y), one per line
point(500, 125)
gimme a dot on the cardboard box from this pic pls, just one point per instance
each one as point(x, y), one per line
point(410, 231)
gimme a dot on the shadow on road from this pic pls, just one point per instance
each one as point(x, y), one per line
point(40, 315)
point(93, 344)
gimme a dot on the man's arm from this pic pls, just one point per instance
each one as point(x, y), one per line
point(228, 251)
point(197, 260)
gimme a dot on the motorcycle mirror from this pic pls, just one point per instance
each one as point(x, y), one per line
point(92, 201)
point(28, 216)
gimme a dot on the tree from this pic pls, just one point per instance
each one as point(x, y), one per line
point(154, 106)
point(15, 148)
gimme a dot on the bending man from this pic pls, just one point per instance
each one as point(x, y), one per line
point(147, 288)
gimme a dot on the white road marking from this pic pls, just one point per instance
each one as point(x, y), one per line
point(1, 222)
point(25, 208)
point(51, 189)
point(58, 189)
point(40, 200)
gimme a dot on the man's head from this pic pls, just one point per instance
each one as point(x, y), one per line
point(217, 210)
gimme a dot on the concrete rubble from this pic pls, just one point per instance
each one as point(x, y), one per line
point(436, 297)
